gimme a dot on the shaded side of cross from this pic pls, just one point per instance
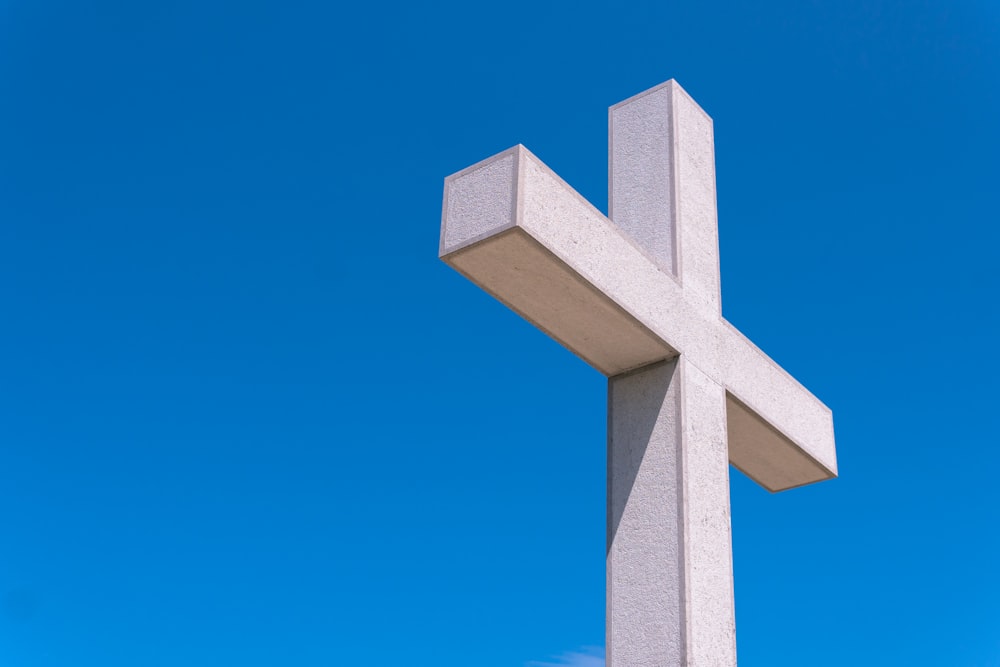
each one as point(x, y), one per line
point(637, 296)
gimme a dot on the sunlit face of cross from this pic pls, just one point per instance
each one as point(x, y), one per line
point(637, 296)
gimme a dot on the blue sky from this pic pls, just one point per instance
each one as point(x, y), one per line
point(248, 418)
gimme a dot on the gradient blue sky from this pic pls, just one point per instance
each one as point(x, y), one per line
point(248, 418)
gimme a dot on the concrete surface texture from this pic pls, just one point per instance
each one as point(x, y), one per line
point(637, 296)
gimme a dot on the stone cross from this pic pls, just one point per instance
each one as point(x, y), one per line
point(636, 295)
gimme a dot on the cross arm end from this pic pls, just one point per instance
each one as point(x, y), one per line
point(490, 234)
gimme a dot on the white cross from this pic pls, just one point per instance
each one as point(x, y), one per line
point(636, 296)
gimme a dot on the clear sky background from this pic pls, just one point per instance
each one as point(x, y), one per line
point(247, 417)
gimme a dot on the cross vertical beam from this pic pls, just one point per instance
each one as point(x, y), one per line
point(669, 562)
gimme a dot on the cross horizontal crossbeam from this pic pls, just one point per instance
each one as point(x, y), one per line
point(517, 230)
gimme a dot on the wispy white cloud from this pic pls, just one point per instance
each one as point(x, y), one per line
point(588, 656)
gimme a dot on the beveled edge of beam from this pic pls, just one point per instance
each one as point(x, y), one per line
point(487, 220)
point(669, 83)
